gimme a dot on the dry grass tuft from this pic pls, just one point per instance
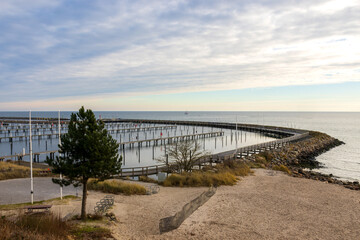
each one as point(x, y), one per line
point(147, 179)
point(116, 187)
point(282, 168)
point(237, 168)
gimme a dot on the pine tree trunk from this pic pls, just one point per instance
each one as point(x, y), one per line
point(83, 205)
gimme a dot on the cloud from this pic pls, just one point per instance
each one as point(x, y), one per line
point(91, 49)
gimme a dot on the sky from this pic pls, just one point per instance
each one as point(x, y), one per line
point(176, 55)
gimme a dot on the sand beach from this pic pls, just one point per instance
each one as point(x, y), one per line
point(267, 205)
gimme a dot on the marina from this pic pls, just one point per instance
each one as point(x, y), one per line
point(143, 142)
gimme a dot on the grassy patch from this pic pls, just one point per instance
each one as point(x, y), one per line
point(9, 170)
point(116, 187)
point(91, 232)
point(55, 201)
point(282, 168)
point(48, 226)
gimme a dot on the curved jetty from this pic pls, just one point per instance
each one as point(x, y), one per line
point(285, 135)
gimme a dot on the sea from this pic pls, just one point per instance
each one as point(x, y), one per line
point(343, 161)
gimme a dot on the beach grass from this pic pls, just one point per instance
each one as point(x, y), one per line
point(40, 226)
point(116, 187)
point(226, 173)
point(197, 179)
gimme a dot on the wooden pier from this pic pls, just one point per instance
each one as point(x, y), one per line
point(25, 137)
point(123, 130)
point(113, 130)
point(170, 140)
point(36, 155)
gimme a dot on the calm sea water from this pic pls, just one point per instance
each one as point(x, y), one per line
point(342, 161)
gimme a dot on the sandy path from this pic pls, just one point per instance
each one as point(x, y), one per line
point(268, 206)
point(140, 215)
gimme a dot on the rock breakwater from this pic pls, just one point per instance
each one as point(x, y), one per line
point(299, 158)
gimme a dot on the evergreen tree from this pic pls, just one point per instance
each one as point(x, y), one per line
point(86, 151)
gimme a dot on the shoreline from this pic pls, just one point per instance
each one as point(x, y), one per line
point(300, 158)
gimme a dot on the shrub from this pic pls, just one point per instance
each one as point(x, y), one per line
point(116, 187)
point(282, 168)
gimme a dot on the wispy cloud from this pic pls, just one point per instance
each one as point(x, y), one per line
point(51, 49)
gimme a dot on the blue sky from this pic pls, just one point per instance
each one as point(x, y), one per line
point(180, 55)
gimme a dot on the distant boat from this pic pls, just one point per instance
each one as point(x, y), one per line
point(186, 113)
